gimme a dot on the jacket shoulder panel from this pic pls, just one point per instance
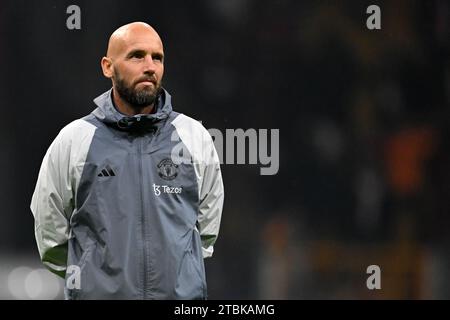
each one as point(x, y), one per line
point(196, 138)
point(71, 147)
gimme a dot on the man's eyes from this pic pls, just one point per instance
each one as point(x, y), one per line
point(156, 57)
point(137, 55)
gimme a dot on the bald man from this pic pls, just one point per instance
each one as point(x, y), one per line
point(129, 198)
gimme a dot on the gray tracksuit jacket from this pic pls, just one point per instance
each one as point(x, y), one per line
point(128, 207)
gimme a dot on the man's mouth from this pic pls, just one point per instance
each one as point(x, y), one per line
point(146, 82)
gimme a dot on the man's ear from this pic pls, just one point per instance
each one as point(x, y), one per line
point(107, 67)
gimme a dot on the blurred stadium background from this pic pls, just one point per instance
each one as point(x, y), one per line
point(364, 135)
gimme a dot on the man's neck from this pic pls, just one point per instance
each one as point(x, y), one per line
point(125, 108)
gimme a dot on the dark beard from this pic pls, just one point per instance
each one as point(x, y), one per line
point(137, 99)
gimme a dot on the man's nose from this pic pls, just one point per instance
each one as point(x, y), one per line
point(149, 65)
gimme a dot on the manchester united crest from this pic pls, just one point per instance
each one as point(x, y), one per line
point(167, 170)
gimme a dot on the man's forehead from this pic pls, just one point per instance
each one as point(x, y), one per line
point(143, 43)
point(134, 37)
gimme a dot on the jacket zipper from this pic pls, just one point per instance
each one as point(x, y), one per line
point(143, 221)
point(144, 225)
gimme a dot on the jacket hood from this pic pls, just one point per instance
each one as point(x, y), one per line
point(106, 112)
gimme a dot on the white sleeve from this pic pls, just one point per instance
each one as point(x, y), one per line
point(52, 204)
point(209, 178)
point(211, 199)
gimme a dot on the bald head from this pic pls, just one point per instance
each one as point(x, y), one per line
point(135, 64)
point(129, 34)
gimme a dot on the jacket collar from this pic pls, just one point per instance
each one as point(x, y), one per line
point(107, 112)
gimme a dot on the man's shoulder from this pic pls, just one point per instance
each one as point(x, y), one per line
point(183, 121)
point(78, 125)
point(76, 130)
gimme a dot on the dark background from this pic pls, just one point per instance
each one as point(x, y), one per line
point(364, 138)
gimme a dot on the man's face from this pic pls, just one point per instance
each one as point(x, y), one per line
point(138, 67)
